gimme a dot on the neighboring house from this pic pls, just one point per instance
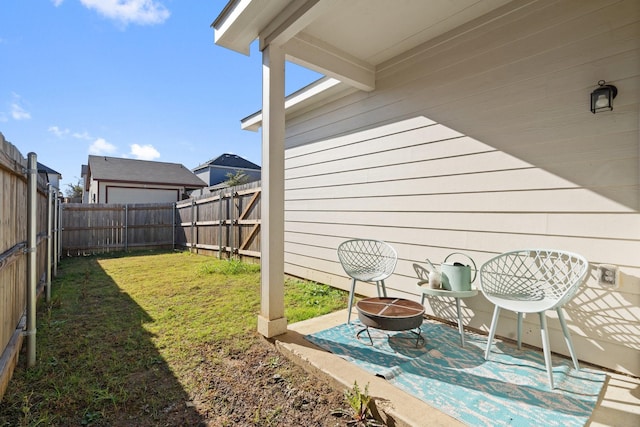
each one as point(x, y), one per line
point(84, 174)
point(452, 127)
point(117, 180)
point(218, 170)
point(49, 175)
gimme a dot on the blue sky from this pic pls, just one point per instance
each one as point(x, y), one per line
point(125, 78)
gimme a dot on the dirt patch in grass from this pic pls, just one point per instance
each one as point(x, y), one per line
point(261, 387)
point(166, 340)
point(256, 387)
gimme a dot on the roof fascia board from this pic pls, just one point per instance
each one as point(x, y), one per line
point(293, 19)
point(240, 21)
point(316, 55)
point(230, 24)
point(324, 89)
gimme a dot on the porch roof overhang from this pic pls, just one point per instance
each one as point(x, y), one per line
point(348, 41)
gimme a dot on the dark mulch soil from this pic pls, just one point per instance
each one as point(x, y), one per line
point(258, 387)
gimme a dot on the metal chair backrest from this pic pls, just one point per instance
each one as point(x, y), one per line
point(367, 260)
point(550, 277)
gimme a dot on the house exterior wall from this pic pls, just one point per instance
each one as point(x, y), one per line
point(214, 175)
point(92, 194)
point(204, 174)
point(118, 192)
point(53, 179)
point(482, 142)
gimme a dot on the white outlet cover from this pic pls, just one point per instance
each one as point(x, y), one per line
point(613, 270)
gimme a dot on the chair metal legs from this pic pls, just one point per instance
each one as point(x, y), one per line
point(519, 331)
point(567, 338)
point(545, 347)
point(492, 331)
point(351, 295)
point(543, 331)
point(545, 343)
point(379, 285)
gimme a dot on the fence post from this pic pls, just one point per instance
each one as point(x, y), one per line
point(126, 227)
point(58, 221)
point(232, 222)
point(49, 237)
point(32, 236)
point(173, 221)
point(220, 225)
point(193, 225)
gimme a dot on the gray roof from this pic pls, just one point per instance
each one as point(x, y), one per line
point(47, 169)
point(142, 171)
point(231, 161)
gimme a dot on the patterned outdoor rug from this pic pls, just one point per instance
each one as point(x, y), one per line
point(509, 389)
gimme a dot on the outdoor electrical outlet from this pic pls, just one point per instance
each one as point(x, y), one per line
point(608, 276)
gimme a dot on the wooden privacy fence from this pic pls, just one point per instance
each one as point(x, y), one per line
point(226, 221)
point(95, 228)
point(28, 252)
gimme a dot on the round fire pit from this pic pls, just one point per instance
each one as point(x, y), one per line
point(390, 314)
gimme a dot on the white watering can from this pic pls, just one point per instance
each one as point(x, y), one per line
point(454, 276)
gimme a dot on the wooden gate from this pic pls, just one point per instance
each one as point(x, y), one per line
point(226, 222)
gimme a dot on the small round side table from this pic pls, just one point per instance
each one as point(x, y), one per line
point(426, 291)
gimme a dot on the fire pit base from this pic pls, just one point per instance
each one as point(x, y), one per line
point(390, 314)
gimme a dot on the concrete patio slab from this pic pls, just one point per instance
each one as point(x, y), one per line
point(619, 404)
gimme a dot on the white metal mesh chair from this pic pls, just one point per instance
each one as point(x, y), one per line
point(367, 261)
point(533, 281)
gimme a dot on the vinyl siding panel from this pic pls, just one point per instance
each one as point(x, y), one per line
point(481, 142)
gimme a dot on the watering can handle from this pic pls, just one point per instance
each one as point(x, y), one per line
point(475, 269)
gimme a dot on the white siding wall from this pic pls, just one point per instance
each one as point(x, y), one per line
point(482, 141)
point(119, 192)
point(142, 195)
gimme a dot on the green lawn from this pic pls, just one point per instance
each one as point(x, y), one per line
point(128, 333)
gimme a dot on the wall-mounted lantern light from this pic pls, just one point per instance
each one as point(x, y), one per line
point(602, 97)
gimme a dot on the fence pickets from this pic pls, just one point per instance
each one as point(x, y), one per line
point(98, 228)
point(225, 223)
point(23, 261)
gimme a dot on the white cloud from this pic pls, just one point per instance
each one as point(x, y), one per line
point(57, 3)
point(101, 147)
point(19, 113)
point(144, 152)
point(16, 111)
point(61, 133)
point(83, 135)
point(143, 12)
point(58, 132)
